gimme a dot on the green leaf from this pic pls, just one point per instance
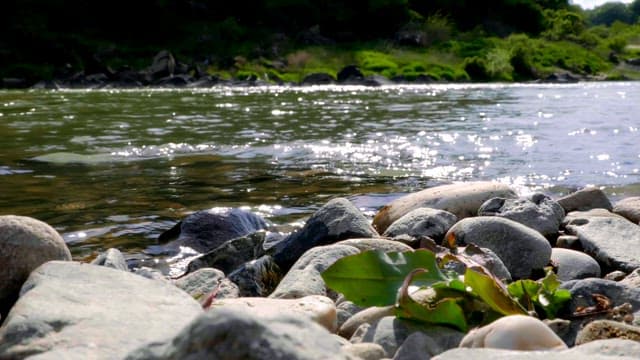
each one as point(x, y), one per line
point(492, 292)
point(543, 295)
point(372, 278)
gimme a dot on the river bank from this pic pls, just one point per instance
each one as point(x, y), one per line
point(245, 310)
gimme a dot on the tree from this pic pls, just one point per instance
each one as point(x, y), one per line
point(608, 13)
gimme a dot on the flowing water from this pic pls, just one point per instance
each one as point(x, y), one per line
point(115, 168)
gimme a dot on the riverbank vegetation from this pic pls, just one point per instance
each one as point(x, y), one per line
point(284, 40)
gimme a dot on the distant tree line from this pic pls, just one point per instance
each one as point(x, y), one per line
point(610, 12)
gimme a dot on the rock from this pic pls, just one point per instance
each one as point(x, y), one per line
point(257, 277)
point(418, 346)
point(304, 278)
point(607, 329)
point(613, 242)
point(369, 315)
point(336, 220)
point(582, 296)
point(612, 349)
point(390, 332)
point(463, 200)
point(615, 275)
point(235, 335)
point(629, 208)
point(577, 215)
point(350, 74)
point(163, 65)
point(632, 280)
point(574, 264)
point(569, 242)
point(205, 230)
point(199, 284)
point(540, 212)
point(112, 258)
point(345, 310)
point(150, 273)
point(428, 222)
point(514, 332)
point(318, 79)
point(231, 254)
point(69, 310)
point(520, 248)
point(25, 244)
point(385, 245)
point(364, 351)
point(318, 308)
point(562, 78)
point(487, 258)
point(173, 81)
point(585, 199)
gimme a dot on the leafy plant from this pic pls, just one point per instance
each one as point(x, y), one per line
point(424, 287)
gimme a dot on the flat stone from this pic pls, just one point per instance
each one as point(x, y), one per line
point(433, 223)
point(613, 242)
point(201, 283)
point(574, 264)
point(463, 200)
point(233, 334)
point(629, 208)
point(540, 212)
point(318, 308)
point(514, 332)
point(607, 329)
point(25, 244)
point(305, 276)
point(81, 311)
point(585, 199)
point(520, 248)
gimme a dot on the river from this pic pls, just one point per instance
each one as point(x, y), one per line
point(115, 168)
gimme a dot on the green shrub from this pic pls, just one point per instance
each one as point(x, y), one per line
point(376, 62)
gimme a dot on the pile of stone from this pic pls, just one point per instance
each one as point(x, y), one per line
point(251, 296)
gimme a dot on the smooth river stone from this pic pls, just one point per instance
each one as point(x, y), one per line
point(463, 200)
point(613, 242)
point(574, 265)
point(585, 199)
point(428, 222)
point(318, 308)
point(629, 208)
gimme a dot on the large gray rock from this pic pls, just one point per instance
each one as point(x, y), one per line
point(305, 276)
point(585, 199)
point(390, 332)
point(574, 265)
point(520, 248)
point(112, 258)
point(201, 283)
point(540, 212)
point(612, 349)
point(80, 311)
point(463, 200)
point(205, 230)
point(613, 242)
point(433, 223)
point(231, 254)
point(336, 220)
point(235, 335)
point(25, 244)
point(487, 258)
point(629, 208)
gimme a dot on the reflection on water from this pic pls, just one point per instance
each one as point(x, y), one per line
point(116, 168)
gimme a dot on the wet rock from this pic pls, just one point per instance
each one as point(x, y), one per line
point(205, 230)
point(163, 65)
point(607, 329)
point(540, 212)
point(514, 332)
point(318, 79)
point(257, 277)
point(173, 81)
point(562, 78)
point(365, 351)
point(613, 242)
point(369, 315)
point(112, 258)
point(350, 74)
point(463, 200)
point(574, 264)
point(487, 258)
point(585, 199)
point(597, 350)
point(231, 254)
point(25, 244)
point(520, 248)
point(385, 245)
point(336, 220)
point(232, 334)
point(629, 208)
point(318, 308)
point(202, 282)
point(428, 222)
point(391, 332)
point(69, 310)
point(304, 278)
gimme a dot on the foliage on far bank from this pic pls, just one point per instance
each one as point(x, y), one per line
point(475, 298)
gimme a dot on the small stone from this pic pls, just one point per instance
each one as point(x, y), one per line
point(201, 283)
point(585, 199)
point(574, 264)
point(616, 275)
point(569, 242)
point(607, 329)
point(369, 315)
point(433, 223)
point(539, 212)
point(514, 332)
point(365, 351)
point(112, 258)
point(629, 208)
point(382, 244)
